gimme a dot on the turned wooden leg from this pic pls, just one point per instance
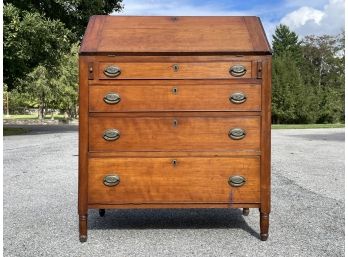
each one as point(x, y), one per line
point(83, 228)
point(264, 225)
point(246, 211)
point(101, 212)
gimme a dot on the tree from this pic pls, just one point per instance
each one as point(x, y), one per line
point(289, 103)
point(67, 83)
point(54, 90)
point(286, 42)
point(323, 70)
point(30, 40)
point(73, 13)
point(39, 32)
point(39, 86)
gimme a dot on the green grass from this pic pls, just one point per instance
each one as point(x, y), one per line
point(32, 117)
point(306, 126)
point(14, 131)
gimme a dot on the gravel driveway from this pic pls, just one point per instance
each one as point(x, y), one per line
point(40, 205)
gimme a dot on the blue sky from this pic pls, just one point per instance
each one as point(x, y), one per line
point(303, 16)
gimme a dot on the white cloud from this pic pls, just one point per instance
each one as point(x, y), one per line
point(301, 16)
point(307, 20)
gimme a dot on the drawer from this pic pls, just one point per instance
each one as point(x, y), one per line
point(175, 70)
point(174, 133)
point(162, 97)
point(165, 180)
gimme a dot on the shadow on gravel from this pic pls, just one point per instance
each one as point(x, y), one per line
point(171, 219)
point(44, 129)
point(323, 137)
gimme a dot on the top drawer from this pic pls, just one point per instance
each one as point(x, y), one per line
point(175, 70)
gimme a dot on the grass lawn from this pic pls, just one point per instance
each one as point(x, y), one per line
point(32, 117)
point(306, 126)
point(14, 131)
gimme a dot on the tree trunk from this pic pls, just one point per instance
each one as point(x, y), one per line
point(41, 109)
point(7, 105)
point(41, 112)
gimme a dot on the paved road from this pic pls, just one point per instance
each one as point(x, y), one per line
point(307, 219)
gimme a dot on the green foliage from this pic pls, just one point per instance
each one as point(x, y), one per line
point(30, 40)
point(41, 39)
point(54, 90)
point(286, 42)
point(308, 78)
point(66, 83)
point(73, 13)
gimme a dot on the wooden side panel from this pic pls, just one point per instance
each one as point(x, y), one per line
point(257, 34)
point(174, 133)
point(83, 137)
point(266, 137)
point(157, 180)
point(167, 70)
point(92, 35)
point(164, 97)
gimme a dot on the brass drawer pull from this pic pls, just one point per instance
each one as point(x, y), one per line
point(111, 134)
point(237, 133)
point(111, 180)
point(112, 98)
point(237, 70)
point(238, 98)
point(112, 71)
point(236, 181)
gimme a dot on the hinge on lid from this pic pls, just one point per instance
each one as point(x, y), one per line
point(259, 70)
point(90, 71)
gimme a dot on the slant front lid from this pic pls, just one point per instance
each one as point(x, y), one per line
point(169, 34)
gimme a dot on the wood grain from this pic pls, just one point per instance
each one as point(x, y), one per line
point(190, 126)
point(83, 149)
point(163, 97)
point(160, 134)
point(173, 205)
point(172, 34)
point(165, 70)
point(156, 180)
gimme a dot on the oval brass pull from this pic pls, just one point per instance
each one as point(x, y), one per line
point(112, 71)
point(238, 98)
point(112, 98)
point(111, 134)
point(237, 70)
point(237, 133)
point(111, 180)
point(236, 181)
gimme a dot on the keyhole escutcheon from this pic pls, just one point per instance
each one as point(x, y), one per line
point(175, 90)
point(175, 67)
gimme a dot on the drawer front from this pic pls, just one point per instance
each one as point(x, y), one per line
point(174, 133)
point(183, 180)
point(162, 97)
point(172, 70)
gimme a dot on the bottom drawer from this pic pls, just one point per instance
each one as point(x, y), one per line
point(168, 180)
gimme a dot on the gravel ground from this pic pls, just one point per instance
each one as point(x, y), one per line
point(40, 205)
